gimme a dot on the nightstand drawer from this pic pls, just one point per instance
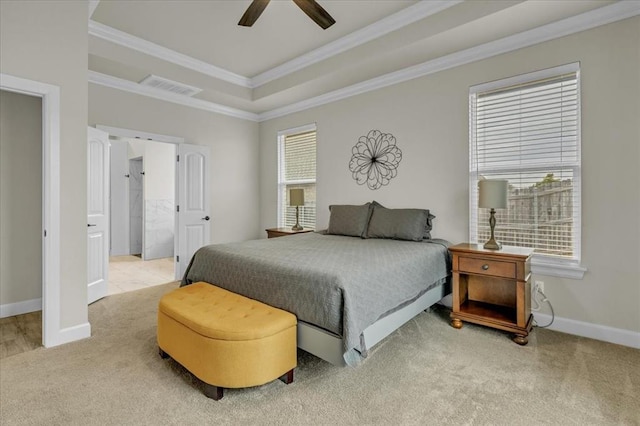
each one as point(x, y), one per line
point(487, 267)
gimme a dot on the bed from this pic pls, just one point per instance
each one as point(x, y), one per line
point(350, 286)
point(347, 292)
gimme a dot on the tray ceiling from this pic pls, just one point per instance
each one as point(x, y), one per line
point(285, 61)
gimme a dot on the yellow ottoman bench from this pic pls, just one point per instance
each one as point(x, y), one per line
point(226, 340)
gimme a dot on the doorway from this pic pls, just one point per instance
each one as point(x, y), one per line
point(142, 205)
point(21, 189)
point(52, 332)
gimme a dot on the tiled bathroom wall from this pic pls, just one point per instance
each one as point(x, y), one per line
point(158, 237)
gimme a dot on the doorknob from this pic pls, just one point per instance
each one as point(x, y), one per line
point(91, 224)
point(206, 218)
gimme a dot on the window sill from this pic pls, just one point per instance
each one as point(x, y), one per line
point(544, 265)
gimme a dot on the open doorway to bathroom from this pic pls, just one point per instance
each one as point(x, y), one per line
point(142, 203)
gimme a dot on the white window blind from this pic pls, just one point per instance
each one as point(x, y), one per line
point(527, 130)
point(297, 169)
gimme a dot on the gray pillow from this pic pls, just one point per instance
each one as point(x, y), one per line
point(398, 224)
point(427, 227)
point(349, 220)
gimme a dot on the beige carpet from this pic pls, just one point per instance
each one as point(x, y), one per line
point(425, 373)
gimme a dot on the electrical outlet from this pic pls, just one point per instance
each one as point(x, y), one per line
point(540, 286)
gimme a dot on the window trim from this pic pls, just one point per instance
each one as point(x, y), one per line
point(311, 127)
point(542, 264)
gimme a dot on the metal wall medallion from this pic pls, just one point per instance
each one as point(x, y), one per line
point(375, 159)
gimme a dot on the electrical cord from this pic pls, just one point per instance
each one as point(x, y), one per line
point(538, 306)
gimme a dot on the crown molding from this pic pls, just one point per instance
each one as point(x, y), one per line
point(136, 134)
point(594, 18)
point(127, 40)
point(400, 19)
point(132, 87)
point(584, 21)
point(93, 4)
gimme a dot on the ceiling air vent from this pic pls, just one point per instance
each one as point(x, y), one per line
point(169, 85)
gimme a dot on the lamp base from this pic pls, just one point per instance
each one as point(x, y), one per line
point(492, 244)
point(297, 226)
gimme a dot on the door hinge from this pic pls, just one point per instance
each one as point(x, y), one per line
point(45, 232)
point(178, 208)
point(178, 158)
point(177, 258)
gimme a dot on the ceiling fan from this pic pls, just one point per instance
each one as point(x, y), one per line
point(310, 7)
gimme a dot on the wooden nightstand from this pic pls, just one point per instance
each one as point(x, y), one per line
point(493, 288)
point(281, 232)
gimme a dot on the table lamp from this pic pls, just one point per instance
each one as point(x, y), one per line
point(492, 194)
point(296, 198)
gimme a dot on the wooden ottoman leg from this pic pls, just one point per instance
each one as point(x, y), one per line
point(214, 392)
point(162, 353)
point(287, 377)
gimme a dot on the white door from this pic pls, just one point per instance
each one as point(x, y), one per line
point(97, 214)
point(193, 221)
point(119, 199)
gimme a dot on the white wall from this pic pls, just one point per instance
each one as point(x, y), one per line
point(429, 118)
point(119, 198)
point(234, 152)
point(20, 198)
point(47, 41)
point(159, 162)
point(135, 147)
point(160, 170)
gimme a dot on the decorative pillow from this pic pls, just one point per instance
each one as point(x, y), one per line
point(428, 225)
point(398, 224)
point(349, 220)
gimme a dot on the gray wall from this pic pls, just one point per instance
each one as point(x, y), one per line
point(47, 41)
point(429, 118)
point(20, 198)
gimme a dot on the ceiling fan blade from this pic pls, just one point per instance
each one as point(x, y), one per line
point(316, 12)
point(253, 12)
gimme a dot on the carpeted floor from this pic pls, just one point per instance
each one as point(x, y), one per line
point(425, 373)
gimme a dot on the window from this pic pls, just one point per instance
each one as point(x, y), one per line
point(297, 169)
point(526, 129)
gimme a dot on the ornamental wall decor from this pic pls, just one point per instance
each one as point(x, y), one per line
point(375, 159)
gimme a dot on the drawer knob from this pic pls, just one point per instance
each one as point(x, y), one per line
point(485, 267)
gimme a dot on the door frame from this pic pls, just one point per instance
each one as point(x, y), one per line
point(51, 333)
point(155, 137)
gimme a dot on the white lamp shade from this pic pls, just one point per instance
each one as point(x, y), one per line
point(492, 193)
point(296, 197)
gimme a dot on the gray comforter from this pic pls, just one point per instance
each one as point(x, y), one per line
point(341, 284)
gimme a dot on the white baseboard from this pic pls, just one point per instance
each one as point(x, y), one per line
point(71, 334)
point(19, 308)
point(593, 331)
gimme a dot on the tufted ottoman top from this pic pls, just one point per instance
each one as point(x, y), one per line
point(220, 314)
